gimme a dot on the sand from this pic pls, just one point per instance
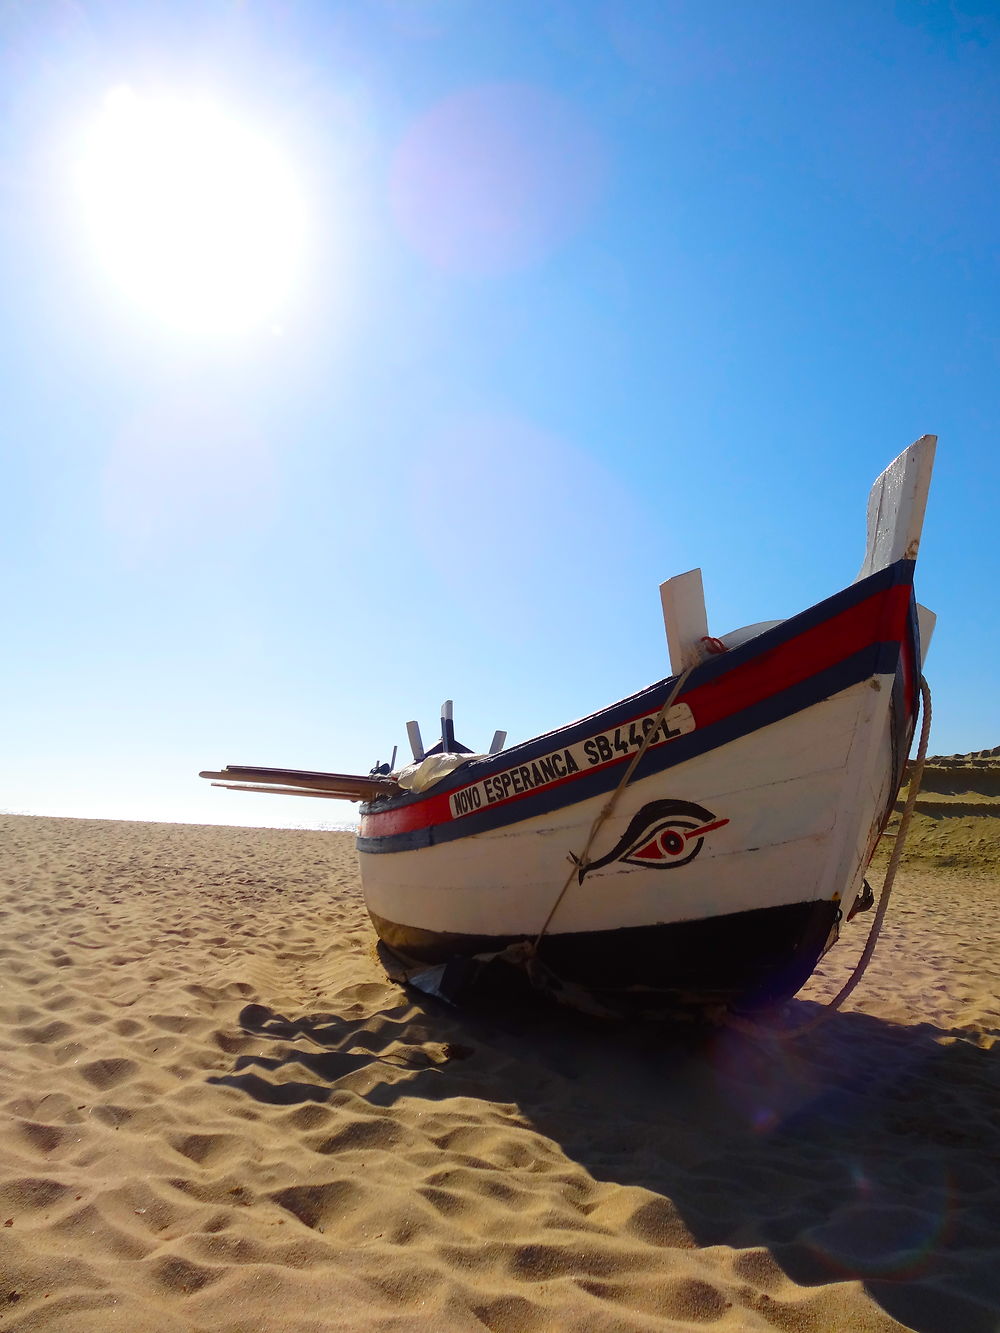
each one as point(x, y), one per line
point(216, 1113)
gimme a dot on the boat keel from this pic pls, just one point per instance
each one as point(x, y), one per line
point(743, 960)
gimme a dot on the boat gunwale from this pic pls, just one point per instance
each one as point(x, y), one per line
point(632, 706)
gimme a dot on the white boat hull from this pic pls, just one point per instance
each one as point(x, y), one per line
point(793, 795)
point(734, 850)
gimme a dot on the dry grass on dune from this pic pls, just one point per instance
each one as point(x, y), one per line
point(218, 1114)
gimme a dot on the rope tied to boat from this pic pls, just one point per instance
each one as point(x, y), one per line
point(581, 862)
point(740, 1023)
point(750, 1028)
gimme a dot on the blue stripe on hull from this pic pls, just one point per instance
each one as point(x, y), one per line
point(649, 698)
point(878, 659)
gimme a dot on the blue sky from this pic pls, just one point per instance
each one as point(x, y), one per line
point(588, 294)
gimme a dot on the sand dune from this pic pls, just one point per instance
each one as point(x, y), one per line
point(218, 1114)
point(956, 820)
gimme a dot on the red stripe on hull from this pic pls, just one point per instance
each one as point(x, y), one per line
point(882, 617)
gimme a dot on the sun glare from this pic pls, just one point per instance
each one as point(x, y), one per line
point(196, 216)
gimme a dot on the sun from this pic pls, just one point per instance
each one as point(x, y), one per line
point(196, 216)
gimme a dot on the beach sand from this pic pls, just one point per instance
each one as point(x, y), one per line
point(217, 1113)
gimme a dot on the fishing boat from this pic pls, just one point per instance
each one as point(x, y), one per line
point(700, 841)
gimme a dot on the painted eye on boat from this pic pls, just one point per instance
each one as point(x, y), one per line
point(661, 835)
point(670, 844)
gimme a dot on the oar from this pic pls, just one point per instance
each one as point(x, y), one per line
point(292, 791)
point(348, 784)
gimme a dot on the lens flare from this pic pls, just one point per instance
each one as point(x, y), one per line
point(887, 1227)
point(493, 178)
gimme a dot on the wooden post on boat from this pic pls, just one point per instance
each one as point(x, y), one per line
point(684, 619)
point(896, 507)
point(416, 743)
point(447, 727)
point(926, 620)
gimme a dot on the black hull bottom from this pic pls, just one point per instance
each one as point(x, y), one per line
point(745, 959)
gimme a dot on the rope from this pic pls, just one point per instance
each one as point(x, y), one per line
point(607, 810)
point(741, 1024)
point(916, 773)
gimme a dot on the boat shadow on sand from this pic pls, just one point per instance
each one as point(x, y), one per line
point(864, 1150)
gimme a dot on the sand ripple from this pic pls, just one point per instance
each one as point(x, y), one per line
point(218, 1114)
